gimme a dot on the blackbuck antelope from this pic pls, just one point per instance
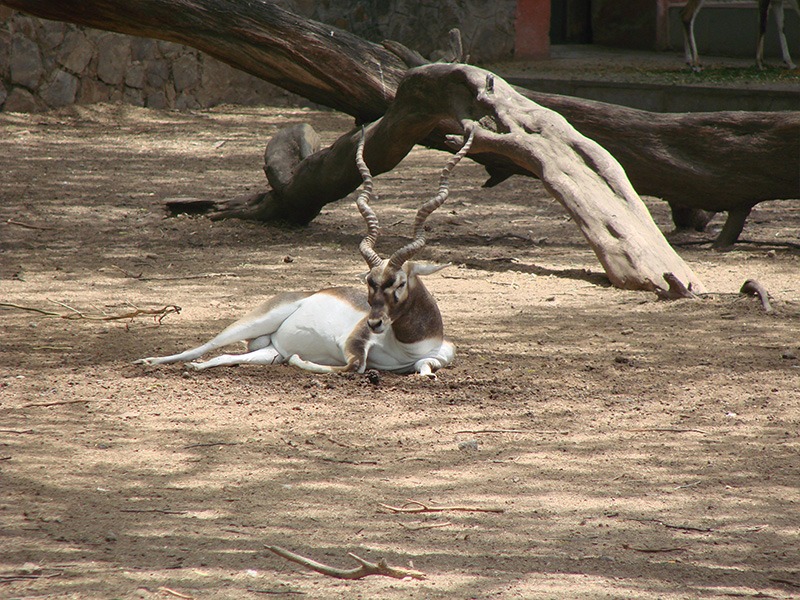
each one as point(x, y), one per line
point(692, 7)
point(396, 326)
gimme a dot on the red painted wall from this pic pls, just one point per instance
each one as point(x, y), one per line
point(532, 30)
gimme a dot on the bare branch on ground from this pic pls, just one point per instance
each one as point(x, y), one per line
point(365, 569)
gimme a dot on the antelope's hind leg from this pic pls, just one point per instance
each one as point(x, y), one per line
point(180, 357)
point(262, 356)
point(254, 328)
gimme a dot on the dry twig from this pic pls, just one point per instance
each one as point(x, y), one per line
point(413, 506)
point(141, 276)
point(424, 526)
point(210, 444)
point(75, 314)
point(167, 590)
point(478, 431)
point(365, 569)
point(678, 527)
point(58, 403)
point(28, 225)
point(653, 550)
point(665, 430)
point(153, 510)
point(688, 485)
point(12, 578)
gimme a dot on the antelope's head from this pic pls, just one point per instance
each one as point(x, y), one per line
point(395, 292)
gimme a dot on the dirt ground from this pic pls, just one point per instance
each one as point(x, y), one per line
point(637, 448)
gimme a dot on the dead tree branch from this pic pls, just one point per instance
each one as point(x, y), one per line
point(364, 569)
point(449, 99)
point(158, 314)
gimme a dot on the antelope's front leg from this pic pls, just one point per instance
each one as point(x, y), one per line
point(427, 367)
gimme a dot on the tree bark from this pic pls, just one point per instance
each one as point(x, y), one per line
point(725, 161)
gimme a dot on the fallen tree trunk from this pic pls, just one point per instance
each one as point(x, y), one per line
point(719, 162)
point(727, 161)
point(579, 173)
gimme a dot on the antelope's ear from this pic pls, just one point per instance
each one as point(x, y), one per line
point(362, 277)
point(417, 268)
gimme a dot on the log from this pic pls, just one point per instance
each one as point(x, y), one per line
point(579, 173)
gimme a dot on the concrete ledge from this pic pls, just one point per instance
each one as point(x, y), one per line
point(666, 98)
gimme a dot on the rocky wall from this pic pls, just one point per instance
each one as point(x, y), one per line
point(487, 26)
point(47, 64)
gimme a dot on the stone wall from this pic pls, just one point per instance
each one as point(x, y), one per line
point(487, 26)
point(47, 64)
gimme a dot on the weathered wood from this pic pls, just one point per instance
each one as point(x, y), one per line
point(583, 176)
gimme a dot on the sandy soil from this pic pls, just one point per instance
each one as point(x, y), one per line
point(637, 448)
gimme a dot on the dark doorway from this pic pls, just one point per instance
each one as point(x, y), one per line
point(571, 22)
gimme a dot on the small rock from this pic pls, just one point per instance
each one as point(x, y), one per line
point(468, 445)
point(789, 355)
point(31, 569)
point(373, 376)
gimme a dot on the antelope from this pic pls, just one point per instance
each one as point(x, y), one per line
point(692, 7)
point(396, 326)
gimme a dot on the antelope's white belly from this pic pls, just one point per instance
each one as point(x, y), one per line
point(318, 330)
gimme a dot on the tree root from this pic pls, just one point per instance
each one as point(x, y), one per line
point(365, 569)
point(676, 291)
point(752, 287)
